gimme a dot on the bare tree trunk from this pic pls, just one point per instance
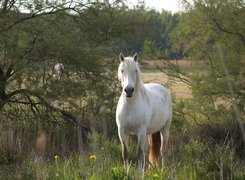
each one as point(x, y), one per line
point(103, 120)
point(80, 139)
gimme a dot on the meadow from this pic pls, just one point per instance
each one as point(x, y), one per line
point(190, 155)
point(63, 127)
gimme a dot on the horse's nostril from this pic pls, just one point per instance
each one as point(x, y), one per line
point(129, 89)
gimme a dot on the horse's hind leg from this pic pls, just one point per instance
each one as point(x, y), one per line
point(164, 140)
point(124, 141)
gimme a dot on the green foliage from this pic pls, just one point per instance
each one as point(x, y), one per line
point(33, 42)
point(211, 34)
point(150, 50)
point(147, 32)
point(193, 150)
point(195, 160)
point(119, 173)
point(204, 140)
point(82, 37)
point(178, 121)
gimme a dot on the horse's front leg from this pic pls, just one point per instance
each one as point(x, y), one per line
point(147, 151)
point(124, 141)
point(141, 150)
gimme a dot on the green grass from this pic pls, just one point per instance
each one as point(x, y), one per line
point(194, 160)
point(195, 152)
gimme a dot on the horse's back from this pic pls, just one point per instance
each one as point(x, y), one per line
point(158, 90)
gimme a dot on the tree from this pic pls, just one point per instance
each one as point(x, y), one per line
point(212, 34)
point(150, 50)
point(36, 36)
point(33, 38)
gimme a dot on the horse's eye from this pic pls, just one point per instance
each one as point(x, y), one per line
point(122, 71)
point(136, 70)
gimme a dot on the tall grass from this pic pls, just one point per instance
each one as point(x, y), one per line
point(193, 160)
point(195, 152)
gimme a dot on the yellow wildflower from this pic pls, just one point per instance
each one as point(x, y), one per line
point(155, 175)
point(56, 157)
point(92, 157)
point(56, 174)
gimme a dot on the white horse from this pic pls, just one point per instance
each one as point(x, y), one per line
point(143, 110)
point(58, 70)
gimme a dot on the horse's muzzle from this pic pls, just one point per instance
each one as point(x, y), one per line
point(129, 91)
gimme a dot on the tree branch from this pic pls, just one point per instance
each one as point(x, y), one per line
point(176, 69)
point(66, 115)
point(223, 29)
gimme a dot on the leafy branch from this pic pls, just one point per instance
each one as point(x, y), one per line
point(29, 93)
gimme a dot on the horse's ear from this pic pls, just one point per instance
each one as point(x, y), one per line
point(135, 57)
point(121, 57)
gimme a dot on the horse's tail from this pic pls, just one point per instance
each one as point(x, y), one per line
point(154, 144)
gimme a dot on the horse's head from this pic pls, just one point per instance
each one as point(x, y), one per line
point(128, 73)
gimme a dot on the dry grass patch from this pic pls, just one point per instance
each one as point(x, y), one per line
point(152, 64)
point(178, 88)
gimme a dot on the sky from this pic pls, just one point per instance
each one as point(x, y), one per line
point(169, 5)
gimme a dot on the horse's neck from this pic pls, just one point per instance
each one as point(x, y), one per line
point(141, 90)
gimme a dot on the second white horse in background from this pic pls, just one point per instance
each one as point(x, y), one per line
point(58, 70)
